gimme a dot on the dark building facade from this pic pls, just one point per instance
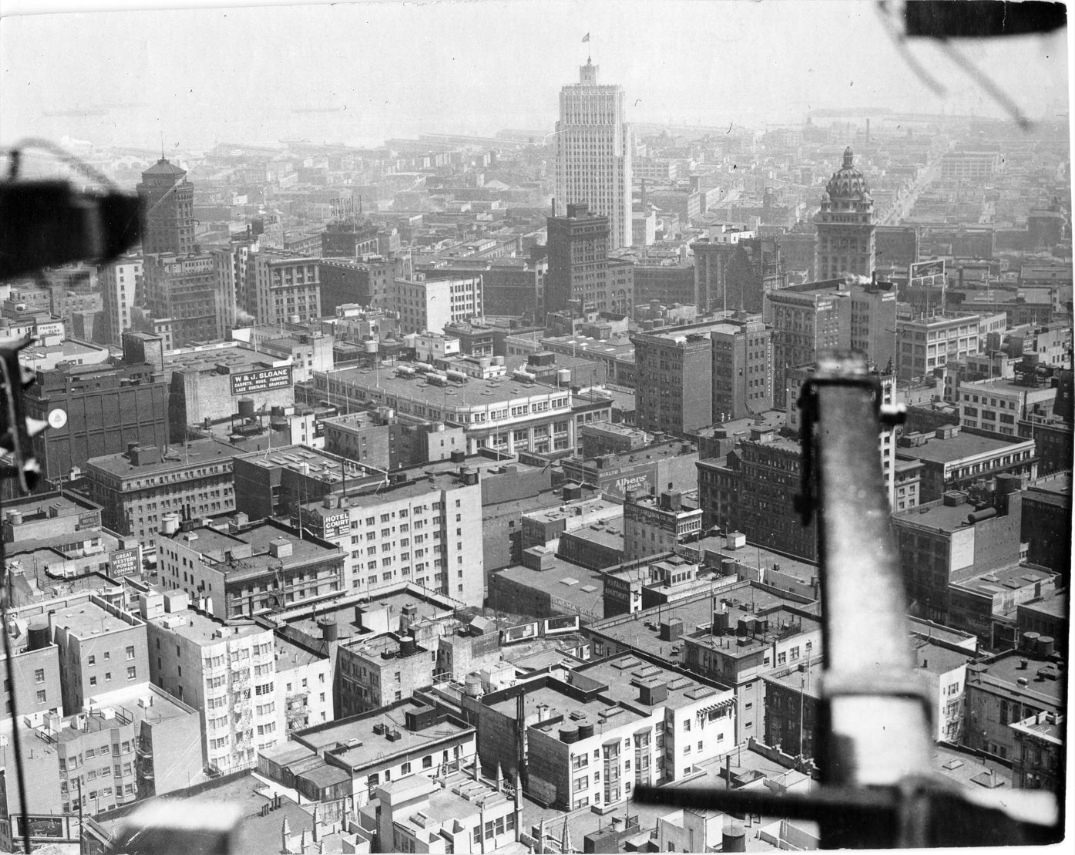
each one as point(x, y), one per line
point(168, 200)
point(578, 260)
point(105, 408)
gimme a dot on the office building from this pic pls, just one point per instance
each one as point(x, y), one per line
point(508, 415)
point(578, 245)
point(733, 268)
point(674, 374)
point(593, 153)
point(1038, 755)
point(952, 540)
point(654, 525)
point(149, 488)
point(226, 672)
point(845, 226)
point(833, 315)
point(431, 304)
point(953, 459)
point(997, 405)
point(168, 201)
point(285, 289)
point(924, 344)
point(121, 286)
point(184, 290)
point(249, 569)
point(1046, 527)
point(103, 409)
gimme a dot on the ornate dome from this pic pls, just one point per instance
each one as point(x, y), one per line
point(848, 184)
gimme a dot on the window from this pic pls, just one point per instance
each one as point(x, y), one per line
point(132, 672)
point(39, 675)
point(130, 652)
point(41, 696)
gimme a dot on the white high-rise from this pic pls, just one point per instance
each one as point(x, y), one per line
point(593, 153)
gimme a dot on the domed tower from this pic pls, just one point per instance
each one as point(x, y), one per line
point(845, 227)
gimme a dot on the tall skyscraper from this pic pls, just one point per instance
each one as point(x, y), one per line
point(169, 204)
point(845, 227)
point(593, 153)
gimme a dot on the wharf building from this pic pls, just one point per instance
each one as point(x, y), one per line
point(586, 738)
point(168, 200)
point(147, 488)
point(249, 569)
point(226, 672)
point(510, 415)
point(594, 153)
point(422, 532)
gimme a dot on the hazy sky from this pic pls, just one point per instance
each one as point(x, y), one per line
point(204, 75)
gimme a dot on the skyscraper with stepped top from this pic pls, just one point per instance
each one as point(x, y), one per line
point(593, 154)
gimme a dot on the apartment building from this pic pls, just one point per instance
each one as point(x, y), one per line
point(413, 532)
point(227, 672)
point(592, 735)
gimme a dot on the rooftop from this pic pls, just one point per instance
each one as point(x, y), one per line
point(203, 630)
point(960, 446)
point(218, 547)
point(1004, 580)
point(1001, 675)
point(234, 355)
point(937, 515)
point(87, 619)
point(472, 393)
point(575, 587)
point(937, 658)
point(641, 630)
point(197, 452)
point(1055, 605)
point(355, 745)
point(624, 673)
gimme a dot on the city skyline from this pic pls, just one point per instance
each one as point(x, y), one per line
point(390, 69)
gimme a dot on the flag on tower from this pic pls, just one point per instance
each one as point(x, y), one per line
point(586, 37)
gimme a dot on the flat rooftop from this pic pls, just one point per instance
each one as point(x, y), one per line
point(623, 673)
point(937, 515)
point(473, 392)
point(197, 452)
point(937, 658)
point(641, 630)
point(958, 447)
point(235, 356)
point(203, 630)
point(1003, 673)
point(1003, 580)
point(570, 510)
point(1055, 605)
point(569, 583)
point(347, 622)
point(361, 747)
point(87, 619)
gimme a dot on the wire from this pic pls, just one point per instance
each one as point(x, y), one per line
point(899, 40)
point(65, 156)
